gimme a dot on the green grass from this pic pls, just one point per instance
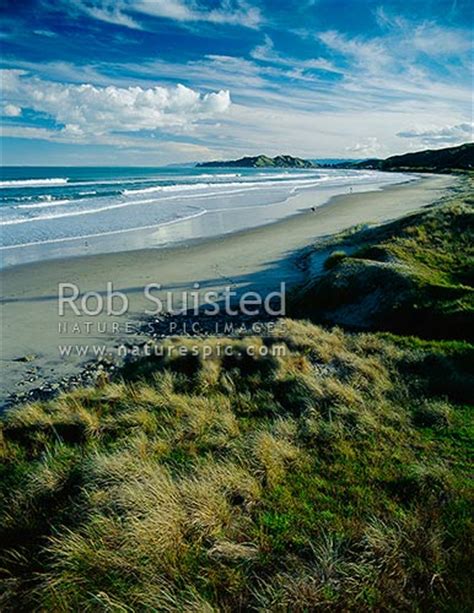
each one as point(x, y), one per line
point(334, 476)
point(413, 276)
point(335, 258)
point(437, 245)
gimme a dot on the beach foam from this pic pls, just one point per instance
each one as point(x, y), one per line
point(84, 204)
point(32, 183)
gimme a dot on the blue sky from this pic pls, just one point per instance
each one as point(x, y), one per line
point(150, 82)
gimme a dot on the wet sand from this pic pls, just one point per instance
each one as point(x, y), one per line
point(258, 259)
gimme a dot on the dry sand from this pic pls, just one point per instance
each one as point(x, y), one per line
point(257, 259)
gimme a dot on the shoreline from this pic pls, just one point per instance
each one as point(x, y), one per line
point(206, 225)
point(253, 259)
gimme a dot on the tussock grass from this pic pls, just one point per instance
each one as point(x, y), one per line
point(331, 477)
point(334, 259)
point(413, 276)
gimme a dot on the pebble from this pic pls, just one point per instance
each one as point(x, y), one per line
point(160, 329)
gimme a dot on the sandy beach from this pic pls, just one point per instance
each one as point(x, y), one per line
point(258, 259)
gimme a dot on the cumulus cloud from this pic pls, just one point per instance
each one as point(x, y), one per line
point(86, 109)
point(370, 147)
point(445, 135)
point(10, 110)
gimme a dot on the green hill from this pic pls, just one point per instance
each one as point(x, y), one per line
point(261, 161)
point(451, 158)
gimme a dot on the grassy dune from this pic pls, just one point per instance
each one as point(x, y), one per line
point(413, 276)
point(330, 474)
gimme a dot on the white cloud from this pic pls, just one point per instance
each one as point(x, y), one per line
point(446, 135)
point(47, 33)
point(280, 103)
point(90, 110)
point(436, 41)
point(28, 132)
point(371, 55)
point(426, 37)
point(128, 150)
point(10, 110)
point(369, 147)
point(317, 120)
point(105, 11)
point(126, 12)
point(234, 13)
point(397, 59)
point(266, 52)
point(385, 72)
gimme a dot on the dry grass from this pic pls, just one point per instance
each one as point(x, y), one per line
point(317, 479)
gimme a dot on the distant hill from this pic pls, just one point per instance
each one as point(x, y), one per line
point(261, 161)
point(430, 160)
point(451, 158)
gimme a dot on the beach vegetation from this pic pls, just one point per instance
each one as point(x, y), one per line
point(414, 276)
point(333, 477)
point(334, 259)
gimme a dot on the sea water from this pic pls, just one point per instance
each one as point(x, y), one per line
point(63, 211)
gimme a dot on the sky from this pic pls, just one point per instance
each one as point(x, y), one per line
point(156, 82)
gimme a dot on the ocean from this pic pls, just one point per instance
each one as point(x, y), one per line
point(65, 211)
